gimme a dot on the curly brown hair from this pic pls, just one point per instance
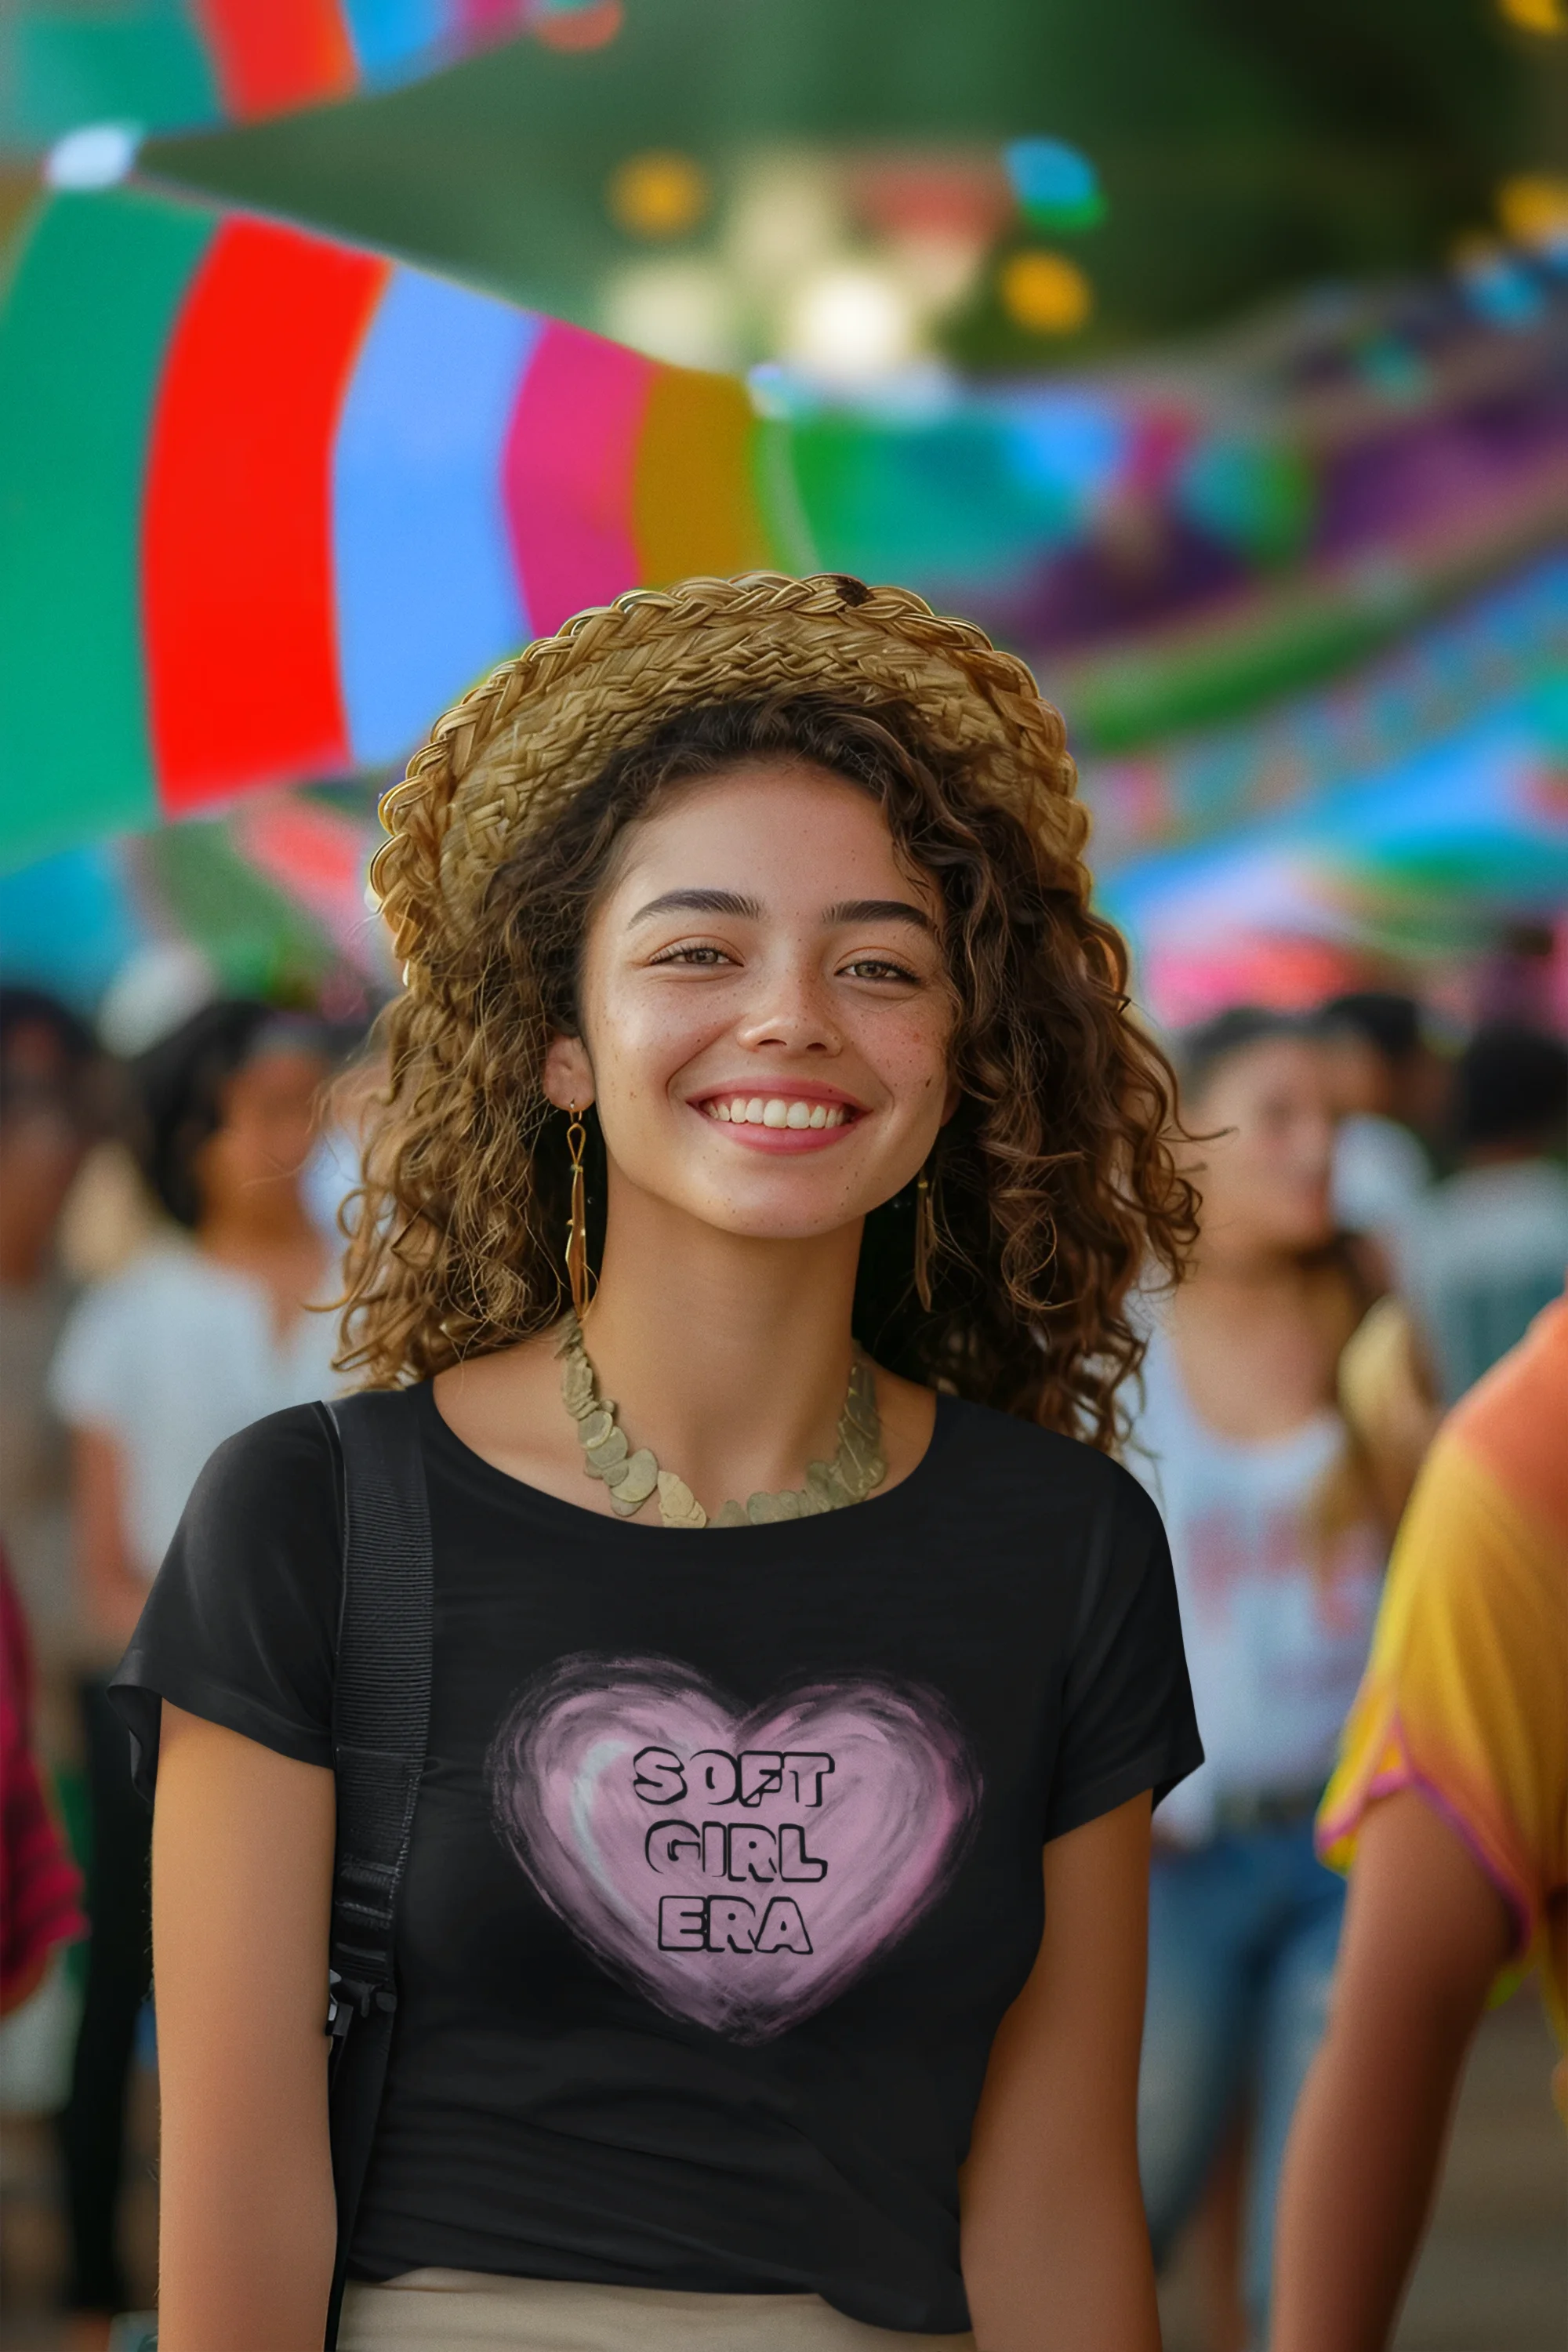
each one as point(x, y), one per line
point(1055, 1183)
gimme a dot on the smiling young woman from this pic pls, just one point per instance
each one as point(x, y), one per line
point(767, 1140)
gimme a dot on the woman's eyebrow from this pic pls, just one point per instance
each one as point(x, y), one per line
point(701, 902)
point(880, 910)
point(731, 902)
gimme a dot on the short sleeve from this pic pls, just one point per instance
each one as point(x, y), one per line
point(1128, 1720)
point(1462, 1697)
point(241, 1626)
point(87, 1376)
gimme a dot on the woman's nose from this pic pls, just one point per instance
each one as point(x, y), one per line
point(791, 1013)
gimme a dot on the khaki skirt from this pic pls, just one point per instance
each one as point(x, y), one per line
point(464, 2311)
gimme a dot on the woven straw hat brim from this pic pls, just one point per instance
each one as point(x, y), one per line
point(502, 762)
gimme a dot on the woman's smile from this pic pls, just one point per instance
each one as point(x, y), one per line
point(780, 1115)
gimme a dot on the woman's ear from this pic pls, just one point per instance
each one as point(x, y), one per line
point(568, 1073)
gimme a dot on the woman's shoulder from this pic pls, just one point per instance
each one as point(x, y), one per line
point(261, 1533)
point(277, 1470)
point(299, 1435)
point(1007, 1448)
point(241, 1626)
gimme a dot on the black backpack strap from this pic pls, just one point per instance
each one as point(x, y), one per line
point(380, 1719)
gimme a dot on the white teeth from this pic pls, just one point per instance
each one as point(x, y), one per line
point(775, 1110)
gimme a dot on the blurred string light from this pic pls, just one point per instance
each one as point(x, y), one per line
point(786, 218)
point(1044, 293)
point(572, 25)
point(1533, 210)
point(935, 215)
point(931, 193)
point(850, 323)
point(1058, 189)
point(658, 194)
point(1536, 16)
point(683, 311)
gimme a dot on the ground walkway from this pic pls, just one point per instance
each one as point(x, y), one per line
point(1494, 2276)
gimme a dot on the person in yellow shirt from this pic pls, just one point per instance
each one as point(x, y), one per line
point(1449, 1808)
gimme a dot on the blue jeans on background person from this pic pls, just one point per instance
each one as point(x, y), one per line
point(1243, 1933)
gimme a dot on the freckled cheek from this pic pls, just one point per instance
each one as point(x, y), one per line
point(911, 1058)
point(644, 1048)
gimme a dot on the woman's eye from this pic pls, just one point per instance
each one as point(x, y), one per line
point(691, 955)
point(878, 968)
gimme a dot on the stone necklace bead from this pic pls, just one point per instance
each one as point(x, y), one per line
point(631, 1477)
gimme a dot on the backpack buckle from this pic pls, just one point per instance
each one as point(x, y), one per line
point(351, 1997)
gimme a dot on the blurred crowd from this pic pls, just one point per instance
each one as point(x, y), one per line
point(167, 1237)
point(1386, 1212)
point(1384, 1221)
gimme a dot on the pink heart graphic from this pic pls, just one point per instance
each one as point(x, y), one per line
point(739, 1869)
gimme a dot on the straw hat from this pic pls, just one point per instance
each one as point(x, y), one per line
point(502, 764)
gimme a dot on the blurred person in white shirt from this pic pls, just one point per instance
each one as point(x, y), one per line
point(207, 1330)
point(1277, 1522)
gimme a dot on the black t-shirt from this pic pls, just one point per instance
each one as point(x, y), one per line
point(726, 1861)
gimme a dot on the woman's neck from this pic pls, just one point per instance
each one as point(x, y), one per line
point(729, 1356)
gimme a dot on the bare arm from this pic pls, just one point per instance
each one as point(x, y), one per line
point(1056, 2249)
point(113, 1591)
point(242, 1860)
point(1426, 1931)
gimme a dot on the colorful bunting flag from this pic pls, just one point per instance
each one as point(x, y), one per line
point(170, 65)
point(269, 503)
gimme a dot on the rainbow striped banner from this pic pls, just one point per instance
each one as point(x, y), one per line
point(184, 64)
point(268, 503)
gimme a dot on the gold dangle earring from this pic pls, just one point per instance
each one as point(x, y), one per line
point(925, 1238)
point(577, 1273)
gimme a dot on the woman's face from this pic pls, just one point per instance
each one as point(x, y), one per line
point(765, 1014)
point(1265, 1176)
point(269, 1125)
